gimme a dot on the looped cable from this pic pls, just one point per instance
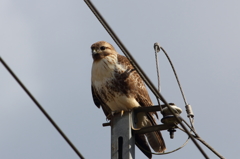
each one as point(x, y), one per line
point(157, 49)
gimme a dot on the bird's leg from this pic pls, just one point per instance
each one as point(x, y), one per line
point(115, 112)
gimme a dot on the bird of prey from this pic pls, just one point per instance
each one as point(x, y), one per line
point(117, 87)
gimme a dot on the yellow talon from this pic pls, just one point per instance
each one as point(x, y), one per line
point(122, 112)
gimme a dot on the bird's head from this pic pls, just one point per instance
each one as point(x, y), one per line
point(102, 49)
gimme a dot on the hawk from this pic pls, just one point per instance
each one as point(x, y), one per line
point(117, 87)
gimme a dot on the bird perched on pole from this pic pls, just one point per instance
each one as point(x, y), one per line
point(117, 87)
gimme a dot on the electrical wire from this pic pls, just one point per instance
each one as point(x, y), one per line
point(140, 71)
point(42, 109)
point(175, 73)
point(191, 119)
point(205, 143)
point(157, 49)
point(164, 153)
point(191, 128)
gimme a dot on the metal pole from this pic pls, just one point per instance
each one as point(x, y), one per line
point(122, 139)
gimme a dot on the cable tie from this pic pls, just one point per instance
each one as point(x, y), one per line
point(189, 111)
point(156, 47)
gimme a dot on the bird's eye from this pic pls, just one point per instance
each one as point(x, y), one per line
point(102, 47)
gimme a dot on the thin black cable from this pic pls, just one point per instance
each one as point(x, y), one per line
point(140, 71)
point(191, 128)
point(205, 143)
point(191, 120)
point(157, 49)
point(41, 108)
point(164, 153)
point(179, 85)
point(175, 73)
point(209, 147)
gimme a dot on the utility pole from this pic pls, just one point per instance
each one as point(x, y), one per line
point(122, 138)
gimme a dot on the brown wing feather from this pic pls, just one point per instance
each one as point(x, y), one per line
point(99, 103)
point(155, 135)
point(136, 84)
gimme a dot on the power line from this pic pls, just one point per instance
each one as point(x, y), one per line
point(203, 142)
point(41, 108)
point(175, 73)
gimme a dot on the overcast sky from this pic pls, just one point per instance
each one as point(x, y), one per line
point(47, 44)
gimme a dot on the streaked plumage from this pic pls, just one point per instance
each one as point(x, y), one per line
point(116, 86)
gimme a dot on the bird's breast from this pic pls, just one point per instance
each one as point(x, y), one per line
point(109, 88)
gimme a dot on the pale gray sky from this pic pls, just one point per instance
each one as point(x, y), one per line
point(47, 44)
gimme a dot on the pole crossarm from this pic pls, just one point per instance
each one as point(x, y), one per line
point(152, 128)
point(148, 109)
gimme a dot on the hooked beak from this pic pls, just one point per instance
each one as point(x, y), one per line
point(94, 51)
point(95, 54)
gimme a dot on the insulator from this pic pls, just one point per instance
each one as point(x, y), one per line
point(168, 117)
point(176, 110)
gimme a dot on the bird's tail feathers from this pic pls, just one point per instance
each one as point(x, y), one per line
point(156, 141)
point(154, 138)
point(142, 144)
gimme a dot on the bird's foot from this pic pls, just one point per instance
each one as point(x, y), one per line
point(115, 112)
point(122, 112)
